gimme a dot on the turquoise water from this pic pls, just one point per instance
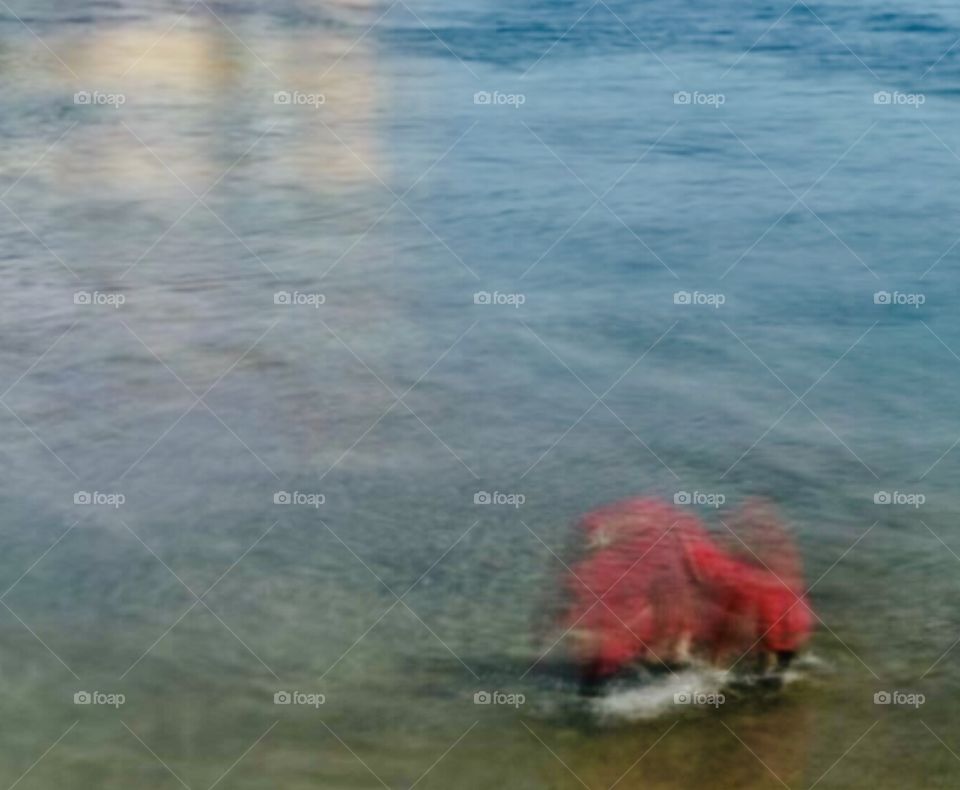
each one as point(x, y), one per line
point(585, 199)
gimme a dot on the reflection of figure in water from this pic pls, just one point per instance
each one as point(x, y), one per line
point(653, 586)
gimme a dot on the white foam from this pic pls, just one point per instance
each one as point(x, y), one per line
point(654, 699)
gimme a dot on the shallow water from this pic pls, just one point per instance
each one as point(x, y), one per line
point(398, 399)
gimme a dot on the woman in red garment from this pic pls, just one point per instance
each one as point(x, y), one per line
point(746, 607)
point(630, 596)
point(654, 586)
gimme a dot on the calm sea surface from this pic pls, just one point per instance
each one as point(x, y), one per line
point(216, 298)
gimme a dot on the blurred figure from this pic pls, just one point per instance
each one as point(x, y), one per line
point(653, 586)
point(753, 581)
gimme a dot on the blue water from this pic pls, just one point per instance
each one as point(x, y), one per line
point(781, 190)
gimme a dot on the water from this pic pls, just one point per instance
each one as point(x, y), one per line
point(398, 399)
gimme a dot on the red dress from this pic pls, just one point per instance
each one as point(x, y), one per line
point(653, 585)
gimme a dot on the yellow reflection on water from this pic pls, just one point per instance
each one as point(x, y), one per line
point(188, 83)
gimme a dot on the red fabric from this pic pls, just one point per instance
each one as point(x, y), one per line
point(653, 585)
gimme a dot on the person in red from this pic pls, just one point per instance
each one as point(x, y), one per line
point(752, 591)
point(653, 586)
